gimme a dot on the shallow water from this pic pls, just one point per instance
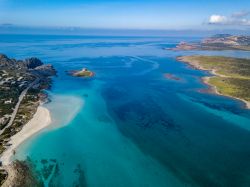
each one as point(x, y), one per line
point(130, 126)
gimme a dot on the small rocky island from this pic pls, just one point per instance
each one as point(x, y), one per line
point(170, 76)
point(81, 73)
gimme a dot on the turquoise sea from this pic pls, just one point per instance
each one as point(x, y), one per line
point(130, 126)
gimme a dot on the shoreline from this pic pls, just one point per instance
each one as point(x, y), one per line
point(195, 65)
point(214, 90)
point(40, 120)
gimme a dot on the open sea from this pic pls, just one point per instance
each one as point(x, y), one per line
point(130, 126)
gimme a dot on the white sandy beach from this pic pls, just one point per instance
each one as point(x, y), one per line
point(40, 120)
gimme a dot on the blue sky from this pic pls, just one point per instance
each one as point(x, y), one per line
point(136, 14)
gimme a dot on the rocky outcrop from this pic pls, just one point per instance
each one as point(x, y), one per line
point(46, 70)
point(20, 174)
point(32, 62)
point(5, 61)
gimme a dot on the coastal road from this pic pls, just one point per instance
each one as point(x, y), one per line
point(20, 98)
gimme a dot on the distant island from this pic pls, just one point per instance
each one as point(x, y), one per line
point(231, 75)
point(217, 42)
point(21, 91)
point(81, 73)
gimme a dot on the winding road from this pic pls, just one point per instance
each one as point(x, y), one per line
point(22, 95)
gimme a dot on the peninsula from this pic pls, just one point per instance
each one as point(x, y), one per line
point(217, 42)
point(21, 91)
point(231, 75)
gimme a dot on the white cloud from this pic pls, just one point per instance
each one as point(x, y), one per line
point(238, 18)
point(217, 19)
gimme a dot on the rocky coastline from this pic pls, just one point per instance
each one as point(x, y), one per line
point(22, 84)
